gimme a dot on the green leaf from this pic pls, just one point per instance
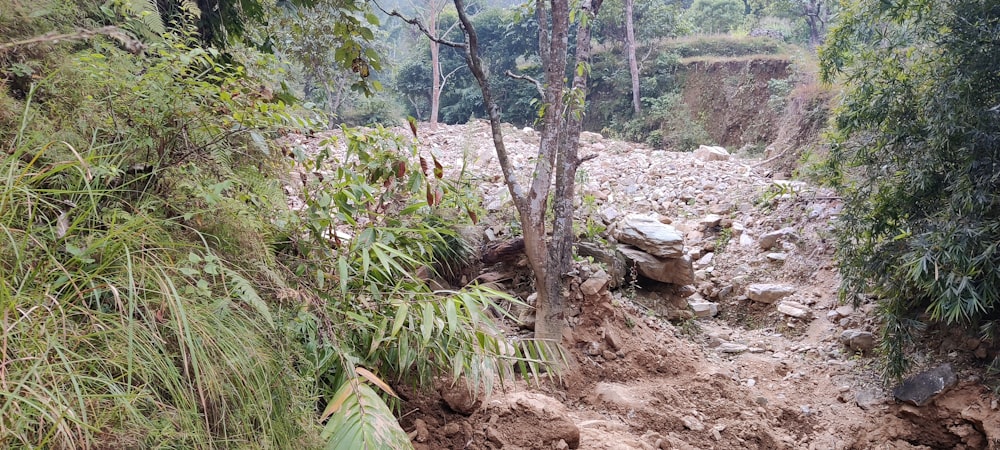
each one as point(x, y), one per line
point(363, 421)
point(243, 290)
point(400, 319)
point(427, 322)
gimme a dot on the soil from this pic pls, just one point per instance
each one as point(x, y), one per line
point(750, 377)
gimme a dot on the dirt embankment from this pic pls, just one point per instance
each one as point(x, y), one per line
point(732, 97)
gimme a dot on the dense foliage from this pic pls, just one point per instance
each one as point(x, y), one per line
point(917, 147)
point(156, 289)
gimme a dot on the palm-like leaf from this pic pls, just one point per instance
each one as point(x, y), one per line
point(362, 421)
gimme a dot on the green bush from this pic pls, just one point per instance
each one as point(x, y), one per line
point(916, 144)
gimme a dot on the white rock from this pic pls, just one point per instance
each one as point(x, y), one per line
point(793, 309)
point(729, 347)
point(704, 309)
point(711, 153)
point(769, 293)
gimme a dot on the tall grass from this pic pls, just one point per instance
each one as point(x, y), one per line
point(106, 340)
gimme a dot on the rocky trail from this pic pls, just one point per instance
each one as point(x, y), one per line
point(741, 344)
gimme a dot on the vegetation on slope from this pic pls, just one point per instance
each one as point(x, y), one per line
point(916, 147)
point(157, 291)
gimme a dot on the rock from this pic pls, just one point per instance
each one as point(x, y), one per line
point(858, 340)
point(769, 292)
point(729, 347)
point(692, 423)
point(543, 415)
point(679, 271)
point(776, 257)
point(704, 261)
point(459, 397)
point(711, 153)
point(793, 309)
point(595, 284)
point(710, 221)
point(845, 310)
point(704, 309)
point(612, 338)
point(768, 240)
point(745, 240)
point(866, 399)
point(650, 235)
point(923, 387)
point(420, 432)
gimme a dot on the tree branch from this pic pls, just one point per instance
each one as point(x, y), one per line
point(538, 84)
point(475, 64)
point(130, 43)
point(421, 27)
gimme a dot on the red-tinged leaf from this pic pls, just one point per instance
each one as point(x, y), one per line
point(400, 169)
point(413, 125)
point(423, 166)
point(472, 216)
point(430, 196)
point(438, 196)
point(438, 168)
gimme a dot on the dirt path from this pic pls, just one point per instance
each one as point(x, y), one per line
point(756, 375)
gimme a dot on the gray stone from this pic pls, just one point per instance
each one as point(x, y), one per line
point(729, 347)
point(709, 221)
point(768, 240)
point(923, 387)
point(677, 271)
point(704, 309)
point(692, 423)
point(711, 153)
point(793, 309)
point(776, 257)
point(858, 340)
point(650, 235)
point(769, 292)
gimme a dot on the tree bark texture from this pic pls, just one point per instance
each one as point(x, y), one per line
point(435, 64)
point(633, 65)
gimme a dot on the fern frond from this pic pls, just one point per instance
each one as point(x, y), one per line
point(148, 14)
point(242, 289)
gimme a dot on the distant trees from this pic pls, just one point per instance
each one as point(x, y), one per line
point(916, 152)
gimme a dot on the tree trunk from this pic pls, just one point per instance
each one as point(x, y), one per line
point(557, 152)
point(435, 67)
point(633, 65)
point(814, 19)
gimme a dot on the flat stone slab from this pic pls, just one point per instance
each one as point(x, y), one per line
point(650, 235)
point(769, 292)
point(921, 388)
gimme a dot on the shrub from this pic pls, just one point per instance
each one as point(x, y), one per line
point(916, 144)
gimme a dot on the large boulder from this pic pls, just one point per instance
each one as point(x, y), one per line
point(679, 271)
point(711, 153)
point(650, 235)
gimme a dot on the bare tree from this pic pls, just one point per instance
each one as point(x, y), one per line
point(558, 157)
point(633, 65)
